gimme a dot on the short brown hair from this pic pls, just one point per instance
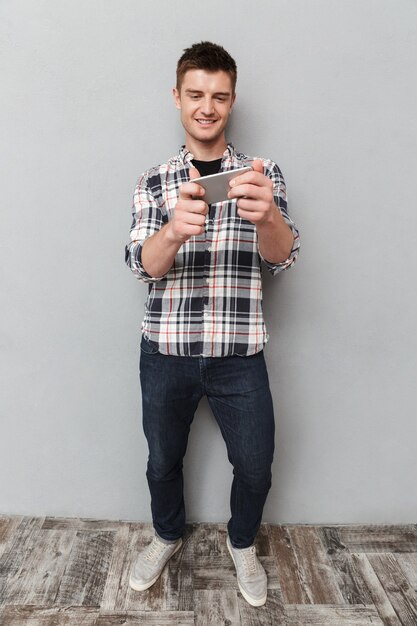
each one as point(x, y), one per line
point(206, 56)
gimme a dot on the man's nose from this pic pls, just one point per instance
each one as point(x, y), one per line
point(207, 106)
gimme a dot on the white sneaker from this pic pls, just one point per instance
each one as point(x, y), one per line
point(150, 563)
point(251, 576)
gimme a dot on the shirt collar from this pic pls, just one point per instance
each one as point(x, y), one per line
point(186, 156)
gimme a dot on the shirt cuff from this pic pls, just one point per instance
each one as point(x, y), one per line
point(140, 271)
point(275, 268)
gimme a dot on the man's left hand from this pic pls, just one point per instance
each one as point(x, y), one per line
point(255, 195)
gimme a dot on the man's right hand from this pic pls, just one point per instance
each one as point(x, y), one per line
point(189, 213)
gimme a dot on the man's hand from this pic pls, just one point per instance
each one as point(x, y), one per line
point(189, 213)
point(255, 193)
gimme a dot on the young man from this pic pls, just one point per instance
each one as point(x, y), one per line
point(203, 332)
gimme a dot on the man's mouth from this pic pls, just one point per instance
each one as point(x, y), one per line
point(204, 122)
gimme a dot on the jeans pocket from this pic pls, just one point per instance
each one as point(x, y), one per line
point(148, 347)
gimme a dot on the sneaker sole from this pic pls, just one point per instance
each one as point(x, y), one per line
point(252, 601)
point(143, 586)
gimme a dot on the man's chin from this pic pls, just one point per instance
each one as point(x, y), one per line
point(206, 137)
point(202, 136)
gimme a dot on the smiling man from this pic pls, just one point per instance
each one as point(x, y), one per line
point(203, 332)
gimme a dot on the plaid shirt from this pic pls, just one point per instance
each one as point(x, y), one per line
point(210, 301)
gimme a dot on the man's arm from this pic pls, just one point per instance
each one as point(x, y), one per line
point(148, 219)
point(159, 250)
point(153, 244)
point(275, 238)
point(278, 242)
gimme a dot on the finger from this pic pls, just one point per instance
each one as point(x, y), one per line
point(189, 190)
point(195, 206)
point(194, 173)
point(195, 219)
point(248, 191)
point(249, 204)
point(251, 216)
point(256, 178)
point(258, 166)
point(240, 191)
point(188, 205)
point(192, 230)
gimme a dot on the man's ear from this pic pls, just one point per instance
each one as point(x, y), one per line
point(176, 96)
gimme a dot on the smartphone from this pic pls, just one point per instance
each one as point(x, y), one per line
point(217, 185)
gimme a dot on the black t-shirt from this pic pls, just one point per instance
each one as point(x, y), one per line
point(207, 167)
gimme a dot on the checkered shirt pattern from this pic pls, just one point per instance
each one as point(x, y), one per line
point(210, 301)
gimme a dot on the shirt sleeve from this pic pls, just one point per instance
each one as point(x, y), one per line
point(280, 198)
point(148, 219)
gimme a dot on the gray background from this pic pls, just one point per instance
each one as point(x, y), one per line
point(325, 88)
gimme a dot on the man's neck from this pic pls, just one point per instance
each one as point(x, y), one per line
point(206, 152)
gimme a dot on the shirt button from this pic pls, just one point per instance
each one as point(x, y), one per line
point(209, 249)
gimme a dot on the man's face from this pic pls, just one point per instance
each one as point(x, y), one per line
point(205, 100)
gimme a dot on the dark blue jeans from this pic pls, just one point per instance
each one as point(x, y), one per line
point(238, 392)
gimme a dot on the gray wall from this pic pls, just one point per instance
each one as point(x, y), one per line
point(325, 88)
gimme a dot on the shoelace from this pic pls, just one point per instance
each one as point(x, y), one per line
point(155, 550)
point(249, 560)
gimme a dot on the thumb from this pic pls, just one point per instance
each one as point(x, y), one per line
point(194, 173)
point(258, 166)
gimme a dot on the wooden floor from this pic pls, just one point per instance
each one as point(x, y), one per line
point(75, 572)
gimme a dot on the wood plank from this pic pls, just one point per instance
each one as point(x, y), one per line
point(89, 616)
point(40, 575)
point(219, 572)
point(314, 567)
point(400, 594)
point(206, 540)
point(214, 572)
point(379, 538)
point(8, 525)
point(408, 564)
point(377, 592)
point(212, 608)
point(221, 547)
point(16, 550)
point(146, 618)
point(185, 574)
point(262, 541)
point(117, 568)
point(48, 616)
point(80, 523)
point(348, 578)
point(327, 615)
point(85, 575)
point(292, 589)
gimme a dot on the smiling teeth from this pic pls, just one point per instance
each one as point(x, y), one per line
point(206, 121)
